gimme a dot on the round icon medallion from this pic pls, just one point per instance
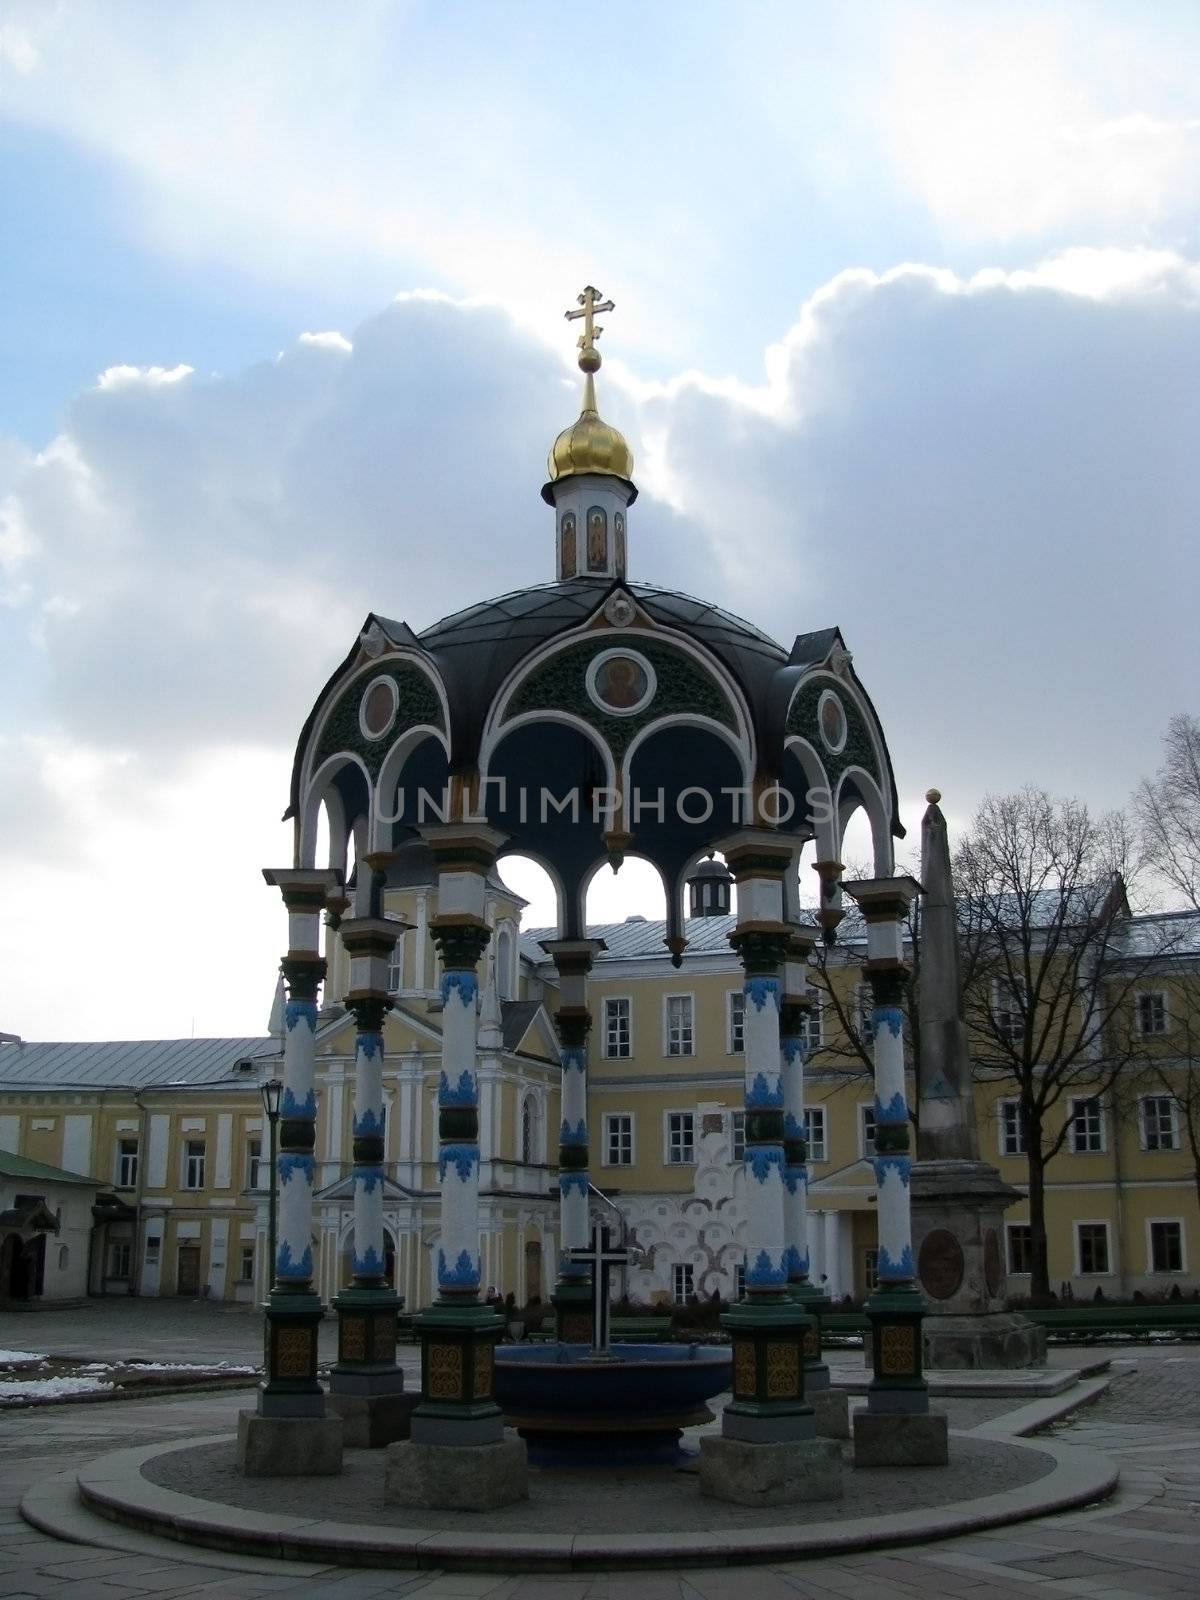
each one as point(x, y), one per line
point(377, 708)
point(621, 682)
point(940, 1264)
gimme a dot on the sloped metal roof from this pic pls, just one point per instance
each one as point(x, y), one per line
point(14, 1166)
point(130, 1064)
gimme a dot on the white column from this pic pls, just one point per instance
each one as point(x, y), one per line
point(766, 1247)
point(458, 1266)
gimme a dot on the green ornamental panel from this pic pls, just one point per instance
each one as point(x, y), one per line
point(417, 705)
point(857, 750)
point(560, 684)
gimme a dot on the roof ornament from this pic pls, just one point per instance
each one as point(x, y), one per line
point(590, 445)
point(589, 356)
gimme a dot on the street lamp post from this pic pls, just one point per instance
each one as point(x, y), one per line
point(272, 1093)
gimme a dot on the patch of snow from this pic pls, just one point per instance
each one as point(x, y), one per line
point(13, 1358)
point(185, 1366)
point(50, 1388)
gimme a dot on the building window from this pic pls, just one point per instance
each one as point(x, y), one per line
point(681, 1138)
point(814, 1132)
point(865, 1013)
point(1087, 1127)
point(618, 1139)
point(246, 1264)
point(618, 1032)
point(680, 1033)
point(1020, 1247)
point(1160, 1130)
point(866, 1130)
point(1008, 1009)
point(528, 1126)
point(737, 1022)
point(1152, 1012)
point(1091, 1245)
point(127, 1163)
point(737, 1136)
point(739, 1281)
point(120, 1257)
point(254, 1164)
point(395, 979)
point(193, 1164)
point(64, 1256)
point(1012, 1128)
point(814, 1029)
point(681, 1282)
point(1166, 1247)
point(871, 1269)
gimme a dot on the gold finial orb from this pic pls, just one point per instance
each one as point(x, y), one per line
point(933, 796)
point(589, 359)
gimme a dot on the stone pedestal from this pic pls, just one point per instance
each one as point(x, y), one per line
point(831, 1412)
point(456, 1477)
point(958, 1232)
point(900, 1439)
point(288, 1447)
point(770, 1474)
point(372, 1420)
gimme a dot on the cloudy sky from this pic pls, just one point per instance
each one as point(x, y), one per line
point(907, 340)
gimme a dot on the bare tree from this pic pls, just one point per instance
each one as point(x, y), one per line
point(1048, 974)
point(1168, 811)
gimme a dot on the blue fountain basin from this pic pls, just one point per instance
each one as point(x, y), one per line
point(634, 1377)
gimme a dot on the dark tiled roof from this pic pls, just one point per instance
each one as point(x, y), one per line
point(516, 1017)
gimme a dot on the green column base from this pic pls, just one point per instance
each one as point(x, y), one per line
point(458, 1347)
point(768, 1337)
point(815, 1304)
point(290, 1355)
point(898, 1384)
point(366, 1339)
point(574, 1317)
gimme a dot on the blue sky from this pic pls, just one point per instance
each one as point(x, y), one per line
point(907, 320)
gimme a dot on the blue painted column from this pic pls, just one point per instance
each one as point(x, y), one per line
point(896, 1307)
point(293, 1310)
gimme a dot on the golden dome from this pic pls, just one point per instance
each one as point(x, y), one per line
point(589, 445)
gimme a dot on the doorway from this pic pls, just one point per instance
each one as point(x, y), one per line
point(188, 1277)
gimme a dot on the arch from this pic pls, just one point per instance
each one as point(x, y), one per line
point(505, 964)
point(496, 737)
point(822, 809)
point(632, 858)
point(343, 785)
point(529, 1128)
point(857, 788)
point(543, 866)
point(385, 817)
point(742, 750)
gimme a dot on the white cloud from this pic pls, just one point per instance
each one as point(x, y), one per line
point(122, 376)
point(986, 481)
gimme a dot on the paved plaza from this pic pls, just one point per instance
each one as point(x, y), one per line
point(1144, 1542)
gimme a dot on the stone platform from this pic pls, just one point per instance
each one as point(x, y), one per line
point(192, 1494)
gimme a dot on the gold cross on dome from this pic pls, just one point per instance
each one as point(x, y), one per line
point(590, 302)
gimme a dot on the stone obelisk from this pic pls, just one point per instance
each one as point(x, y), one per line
point(958, 1201)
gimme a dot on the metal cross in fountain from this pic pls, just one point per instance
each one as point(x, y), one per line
point(601, 1256)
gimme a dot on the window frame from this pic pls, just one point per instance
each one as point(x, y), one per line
point(690, 1114)
point(1144, 1132)
point(733, 998)
point(817, 1111)
point(864, 1019)
point(396, 962)
point(737, 1134)
point(123, 1247)
point(814, 1024)
point(1093, 1222)
point(1010, 1254)
point(690, 1052)
point(1073, 1134)
point(1003, 1106)
point(255, 1163)
point(866, 1146)
point(1166, 1272)
point(1141, 995)
point(606, 1127)
point(682, 1272)
point(123, 1157)
point(1018, 1008)
point(188, 1158)
point(608, 1054)
point(247, 1257)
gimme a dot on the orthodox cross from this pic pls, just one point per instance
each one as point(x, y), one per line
point(591, 302)
point(600, 1255)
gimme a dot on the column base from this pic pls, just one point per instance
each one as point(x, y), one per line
point(814, 1303)
point(366, 1334)
point(573, 1311)
point(458, 1344)
point(769, 1404)
point(900, 1440)
point(288, 1447)
point(449, 1478)
point(898, 1382)
point(770, 1474)
point(290, 1355)
point(370, 1421)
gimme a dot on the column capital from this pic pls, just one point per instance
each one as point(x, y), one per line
point(574, 956)
point(460, 938)
point(368, 936)
point(757, 853)
point(464, 846)
point(304, 888)
point(883, 899)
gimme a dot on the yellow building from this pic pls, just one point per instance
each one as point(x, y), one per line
point(174, 1136)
